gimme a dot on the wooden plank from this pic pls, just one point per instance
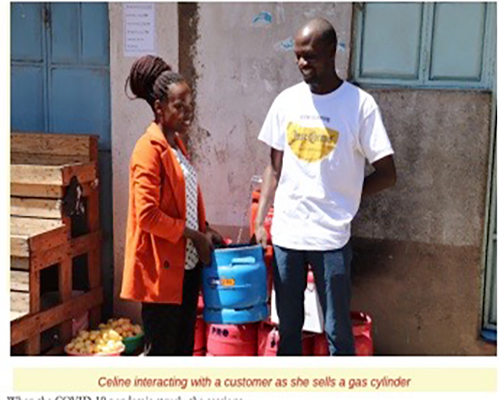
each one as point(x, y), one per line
point(48, 191)
point(19, 246)
point(19, 304)
point(33, 226)
point(93, 148)
point(36, 174)
point(49, 239)
point(65, 280)
point(19, 314)
point(65, 293)
point(85, 243)
point(23, 328)
point(53, 143)
point(52, 175)
point(43, 191)
point(39, 208)
point(33, 345)
point(29, 235)
point(47, 159)
point(84, 173)
point(93, 211)
point(40, 234)
point(20, 263)
point(19, 281)
point(44, 259)
point(34, 291)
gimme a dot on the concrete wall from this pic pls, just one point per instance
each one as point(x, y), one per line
point(418, 247)
point(242, 63)
point(236, 66)
point(129, 119)
point(417, 265)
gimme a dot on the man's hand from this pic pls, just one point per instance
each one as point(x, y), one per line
point(270, 181)
point(382, 178)
point(261, 235)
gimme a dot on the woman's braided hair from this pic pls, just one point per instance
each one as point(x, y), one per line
point(150, 77)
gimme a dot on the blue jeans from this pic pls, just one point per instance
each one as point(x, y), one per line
point(332, 270)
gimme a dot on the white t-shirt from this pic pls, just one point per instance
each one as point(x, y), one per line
point(325, 140)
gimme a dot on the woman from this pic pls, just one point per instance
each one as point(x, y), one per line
point(167, 234)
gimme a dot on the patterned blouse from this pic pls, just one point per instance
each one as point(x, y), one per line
point(191, 206)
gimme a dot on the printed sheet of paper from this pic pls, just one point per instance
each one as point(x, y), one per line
point(139, 29)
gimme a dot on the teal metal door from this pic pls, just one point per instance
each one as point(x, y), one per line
point(60, 83)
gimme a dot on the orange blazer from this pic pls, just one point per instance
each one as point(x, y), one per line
point(155, 248)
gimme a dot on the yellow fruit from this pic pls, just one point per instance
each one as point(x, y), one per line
point(114, 335)
point(83, 334)
point(137, 329)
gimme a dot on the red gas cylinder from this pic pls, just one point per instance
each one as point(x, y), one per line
point(232, 340)
point(363, 343)
point(253, 214)
point(200, 343)
point(200, 305)
point(362, 328)
point(268, 340)
point(320, 345)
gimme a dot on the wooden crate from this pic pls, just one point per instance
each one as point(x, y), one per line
point(29, 258)
point(28, 330)
point(47, 172)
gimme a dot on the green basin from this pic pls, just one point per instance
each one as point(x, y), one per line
point(133, 343)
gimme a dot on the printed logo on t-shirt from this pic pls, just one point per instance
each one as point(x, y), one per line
point(311, 144)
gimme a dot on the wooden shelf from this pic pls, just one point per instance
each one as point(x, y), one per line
point(54, 220)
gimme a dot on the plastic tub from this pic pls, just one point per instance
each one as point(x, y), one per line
point(72, 353)
point(132, 343)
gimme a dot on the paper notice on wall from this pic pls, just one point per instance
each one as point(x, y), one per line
point(139, 29)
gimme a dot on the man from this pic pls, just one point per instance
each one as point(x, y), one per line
point(320, 132)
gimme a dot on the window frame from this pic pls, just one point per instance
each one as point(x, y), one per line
point(425, 53)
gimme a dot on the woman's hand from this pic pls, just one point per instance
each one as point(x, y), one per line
point(202, 244)
point(203, 247)
point(215, 238)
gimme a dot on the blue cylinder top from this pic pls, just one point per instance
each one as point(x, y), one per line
point(247, 254)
